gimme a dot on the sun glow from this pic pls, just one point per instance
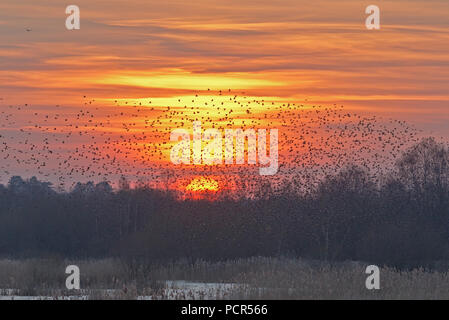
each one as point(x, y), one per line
point(202, 184)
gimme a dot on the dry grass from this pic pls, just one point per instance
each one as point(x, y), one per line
point(255, 278)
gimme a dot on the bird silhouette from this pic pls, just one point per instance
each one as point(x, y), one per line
point(103, 142)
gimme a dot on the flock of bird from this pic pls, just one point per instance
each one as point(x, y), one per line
point(104, 141)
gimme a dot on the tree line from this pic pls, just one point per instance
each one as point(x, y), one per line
point(400, 220)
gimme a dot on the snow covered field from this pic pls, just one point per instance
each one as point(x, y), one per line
point(171, 290)
point(253, 278)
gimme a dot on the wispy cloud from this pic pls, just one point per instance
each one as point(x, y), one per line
point(288, 49)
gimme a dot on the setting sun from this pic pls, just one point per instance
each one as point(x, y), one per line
point(203, 184)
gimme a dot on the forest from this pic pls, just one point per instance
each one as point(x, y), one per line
point(400, 219)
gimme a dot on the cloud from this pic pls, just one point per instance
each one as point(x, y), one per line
point(285, 49)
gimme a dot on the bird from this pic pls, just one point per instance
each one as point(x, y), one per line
point(96, 141)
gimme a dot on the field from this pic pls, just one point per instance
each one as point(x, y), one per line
point(255, 278)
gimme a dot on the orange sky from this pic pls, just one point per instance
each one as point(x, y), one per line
point(284, 51)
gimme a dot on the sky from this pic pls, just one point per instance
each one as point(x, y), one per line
point(133, 52)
